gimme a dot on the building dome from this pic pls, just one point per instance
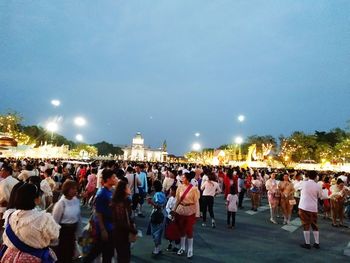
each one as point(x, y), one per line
point(138, 140)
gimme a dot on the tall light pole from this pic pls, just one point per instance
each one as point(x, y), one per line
point(52, 127)
point(239, 141)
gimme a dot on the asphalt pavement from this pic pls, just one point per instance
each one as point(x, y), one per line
point(254, 239)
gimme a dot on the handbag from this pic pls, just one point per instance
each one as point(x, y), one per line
point(172, 231)
point(132, 236)
point(88, 237)
point(182, 198)
point(292, 202)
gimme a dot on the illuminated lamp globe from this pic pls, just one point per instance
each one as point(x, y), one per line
point(79, 121)
point(196, 146)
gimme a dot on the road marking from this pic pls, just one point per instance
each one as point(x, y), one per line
point(347, 250)
point(294, 225)
point(260, 209)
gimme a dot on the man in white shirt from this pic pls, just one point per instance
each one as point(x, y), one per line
point(310, 192)
point(6, 186)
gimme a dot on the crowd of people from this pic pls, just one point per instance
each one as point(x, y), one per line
point(41, 203)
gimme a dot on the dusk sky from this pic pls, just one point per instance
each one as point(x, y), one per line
point(172, 68)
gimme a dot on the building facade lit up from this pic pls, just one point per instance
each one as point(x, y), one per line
point(139, 152)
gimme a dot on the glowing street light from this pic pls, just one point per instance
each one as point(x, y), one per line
point(79, 137)
point(196, 146)
point(241, 118)
point(52, 126)
point(239, 140)
point(55, 103)
point(79, 121)
point(197, 134)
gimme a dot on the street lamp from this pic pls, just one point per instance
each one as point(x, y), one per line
point(55, 103)
point(239, 141)
point(52, 127)
point(241, 118)
point(79, 121)
point(79, 137)
point(196, 147)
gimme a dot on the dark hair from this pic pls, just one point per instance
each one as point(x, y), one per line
point(212, 177)
point(25, 197)
point(233, 190)
point(120, 173)
point(119, 193)
point(13, 195)
point(340, 181)
point(157, 186)
point(106, 174)
point(59, 169)
point(36, 180)
point(94, 170)
point(130, 169)
point(49, 172)
point(7, 168)
point(312, 175)
point(67, 185)
point(189, 176)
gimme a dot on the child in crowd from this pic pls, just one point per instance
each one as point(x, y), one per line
point(231, 205)
point(169, 207)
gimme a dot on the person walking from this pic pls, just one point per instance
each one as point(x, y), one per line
point(287, 197)
point(210, 188)
point(28, 231)
point(231, 205)
point(186, 210)
point(103, 220)
point(309, 194)
point(273, 195)
point(123, 223)
point(66, 212)
point(157, 216)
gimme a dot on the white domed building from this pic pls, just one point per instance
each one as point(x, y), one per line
point(139, 152)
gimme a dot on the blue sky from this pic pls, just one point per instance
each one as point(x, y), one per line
point(173, 68)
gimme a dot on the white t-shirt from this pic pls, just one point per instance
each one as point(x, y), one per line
point(67, 211)
point(310, 192)
point(210, 188)
point(232, 201)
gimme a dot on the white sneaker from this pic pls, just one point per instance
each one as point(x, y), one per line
point(189, 254)
point(180, 252)
point(273, 221)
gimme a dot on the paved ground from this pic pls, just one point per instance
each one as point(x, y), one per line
point(254, 239)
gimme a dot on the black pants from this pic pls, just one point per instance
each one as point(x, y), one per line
point(66, 246)
point(122, 246)
point(208, 203)
point(104, 247)
point(240, 197)
point(229, 214)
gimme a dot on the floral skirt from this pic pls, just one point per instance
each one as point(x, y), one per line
point(13, 255)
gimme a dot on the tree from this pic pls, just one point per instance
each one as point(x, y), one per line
point(10, 124)
point(105, 148)
point(83, 150)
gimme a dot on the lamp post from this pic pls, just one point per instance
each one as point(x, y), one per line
point(79, 137)
point(196, 147)
point(52, 127)
point(239, 141)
